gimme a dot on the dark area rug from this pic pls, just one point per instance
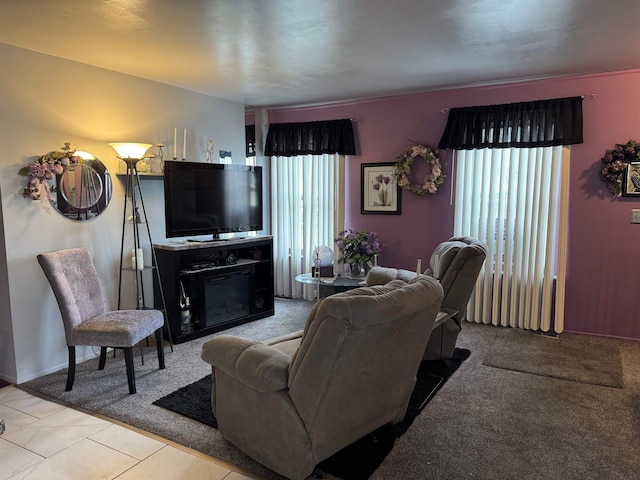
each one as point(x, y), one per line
point(578, 358)
point(360, 459)
point(193, 401)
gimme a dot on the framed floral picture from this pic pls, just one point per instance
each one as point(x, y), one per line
point(379, 189)
point(631, 181)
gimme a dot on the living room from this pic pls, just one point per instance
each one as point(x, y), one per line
point(47, 101)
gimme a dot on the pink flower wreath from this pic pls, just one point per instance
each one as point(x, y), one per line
point(432, 180)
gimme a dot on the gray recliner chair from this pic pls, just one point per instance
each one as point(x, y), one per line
point(294, 401)
point(456, 264)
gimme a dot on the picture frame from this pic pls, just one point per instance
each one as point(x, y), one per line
point(379, 192)
point(631, 180)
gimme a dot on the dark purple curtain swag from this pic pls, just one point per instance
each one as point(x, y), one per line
point(310, 138)
point(541, 123)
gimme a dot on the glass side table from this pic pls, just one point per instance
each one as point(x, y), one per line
point(326, 286)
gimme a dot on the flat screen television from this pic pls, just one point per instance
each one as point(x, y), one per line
point(211, 198)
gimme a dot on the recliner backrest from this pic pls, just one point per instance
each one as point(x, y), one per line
point(361, 347)
point(456, 263)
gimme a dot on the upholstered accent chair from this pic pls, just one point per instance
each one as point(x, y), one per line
point(293, 401)
point(456, 264)
point(75, 283)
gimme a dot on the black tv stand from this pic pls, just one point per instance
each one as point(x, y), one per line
point(229, 282)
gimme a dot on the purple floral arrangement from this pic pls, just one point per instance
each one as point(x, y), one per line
point(46, 168)
point(358, 247)
point(615, 162)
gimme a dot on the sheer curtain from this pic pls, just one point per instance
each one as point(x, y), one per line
point(515, 200)
point(307, 205)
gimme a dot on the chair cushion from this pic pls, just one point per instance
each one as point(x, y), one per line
point(119, 328)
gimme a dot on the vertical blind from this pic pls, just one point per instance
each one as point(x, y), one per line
point(305, 194)
point(515, 201)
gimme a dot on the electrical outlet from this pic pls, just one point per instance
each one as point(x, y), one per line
point(635, 215)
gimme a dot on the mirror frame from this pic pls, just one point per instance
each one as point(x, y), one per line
point(85, 210)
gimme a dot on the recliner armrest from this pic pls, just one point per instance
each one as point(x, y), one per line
point(253, 363)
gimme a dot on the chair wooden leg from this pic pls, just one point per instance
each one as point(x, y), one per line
point(71, 373)
point(128, 360)
point(103, 358)
point(160, 348)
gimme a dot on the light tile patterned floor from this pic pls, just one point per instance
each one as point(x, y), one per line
point(46, 440)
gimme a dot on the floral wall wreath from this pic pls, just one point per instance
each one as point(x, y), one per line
point(402, 170)
point(46, 168)
point(615, 163)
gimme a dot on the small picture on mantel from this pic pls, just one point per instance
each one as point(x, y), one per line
point(631, 185)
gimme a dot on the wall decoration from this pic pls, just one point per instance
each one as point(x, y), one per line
point(431, 181)
point(44, 169)
point(379, 190)
point(631, 185)
point(616, 171)
point(75, 183)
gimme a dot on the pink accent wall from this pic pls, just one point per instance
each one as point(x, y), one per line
point(603, 276)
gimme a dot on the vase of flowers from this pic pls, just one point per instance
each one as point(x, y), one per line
point(358, 249)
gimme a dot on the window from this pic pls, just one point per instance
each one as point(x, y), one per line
point(511, 193)
point(514, 199)
point(307, 205)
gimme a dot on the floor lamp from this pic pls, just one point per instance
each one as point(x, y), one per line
point(131, 154)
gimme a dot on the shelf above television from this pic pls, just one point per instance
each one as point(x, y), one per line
point(142, 175)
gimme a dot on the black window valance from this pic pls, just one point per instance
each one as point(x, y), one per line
point(540, 123)
point(250, 140)
point(310, 138)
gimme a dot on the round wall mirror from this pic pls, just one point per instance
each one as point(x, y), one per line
point(83, 190)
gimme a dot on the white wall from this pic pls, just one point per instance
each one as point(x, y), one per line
point(46, 101)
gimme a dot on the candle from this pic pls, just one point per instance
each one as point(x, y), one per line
point(419, 267)
point(375, 260)
point(175, 141)
point(184, 145)
point(137, 259)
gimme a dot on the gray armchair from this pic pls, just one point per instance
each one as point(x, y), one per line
point(76, 285)
point(456, 264)
point(294, 401)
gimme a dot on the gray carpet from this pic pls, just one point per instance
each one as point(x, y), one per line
point(485, 423)
point(578, 358)
point(106, 391)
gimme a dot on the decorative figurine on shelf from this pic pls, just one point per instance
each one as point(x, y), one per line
point(161, 156)
point(211, 146)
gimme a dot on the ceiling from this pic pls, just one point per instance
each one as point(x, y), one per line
point(269, 53)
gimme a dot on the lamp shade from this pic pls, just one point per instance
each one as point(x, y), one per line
point(130, 150)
